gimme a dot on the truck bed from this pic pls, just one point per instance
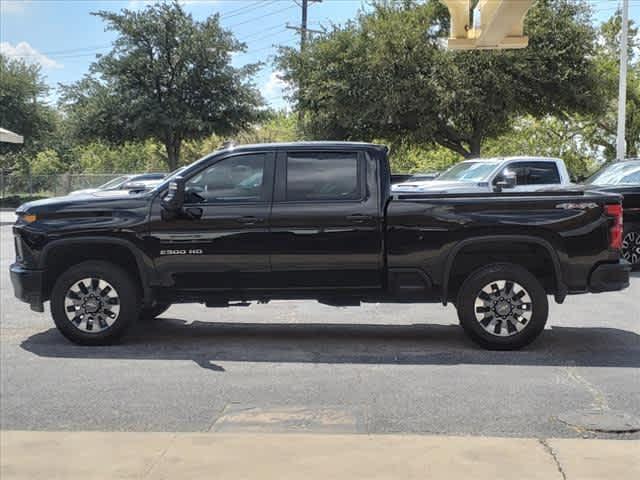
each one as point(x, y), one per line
point(563, 230)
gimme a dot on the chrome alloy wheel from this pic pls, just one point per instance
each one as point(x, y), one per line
point(503, 308)
point(631, 247)
point(92, 305)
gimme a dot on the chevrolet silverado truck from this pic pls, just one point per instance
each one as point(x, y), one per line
point(313, 220)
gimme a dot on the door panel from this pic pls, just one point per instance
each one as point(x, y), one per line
point(228, 245)
point(326, 230)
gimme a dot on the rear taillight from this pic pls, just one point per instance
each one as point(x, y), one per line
point(617, 227)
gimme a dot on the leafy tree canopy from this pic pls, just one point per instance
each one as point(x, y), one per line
point(387, 75)
point(168, 77)
point(23, 110)
point(601, 129)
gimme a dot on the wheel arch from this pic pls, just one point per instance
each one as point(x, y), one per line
point(92, 248)
point(560, 288)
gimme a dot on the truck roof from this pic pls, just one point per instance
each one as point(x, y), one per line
point(306, 144)
point(519, 157)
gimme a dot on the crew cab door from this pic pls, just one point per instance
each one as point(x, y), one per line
point(532, 175)
point(222, 240)
point(326, 225)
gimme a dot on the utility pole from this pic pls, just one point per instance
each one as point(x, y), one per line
point(303, 25)
point(304, 30)
point(622, 90)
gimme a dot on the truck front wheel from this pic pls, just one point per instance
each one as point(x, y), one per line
point(502, 306)
point(94, 302)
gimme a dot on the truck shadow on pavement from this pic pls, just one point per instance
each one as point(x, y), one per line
point(208, 343)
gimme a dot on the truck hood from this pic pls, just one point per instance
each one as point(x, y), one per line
point(440, 186)
point(90, 203)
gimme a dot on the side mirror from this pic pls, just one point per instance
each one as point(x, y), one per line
point(173, 201)
point(508, 180)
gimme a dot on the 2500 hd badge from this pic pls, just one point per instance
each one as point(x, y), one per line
point(193, 251)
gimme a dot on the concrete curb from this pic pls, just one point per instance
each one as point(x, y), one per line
point(110, 455)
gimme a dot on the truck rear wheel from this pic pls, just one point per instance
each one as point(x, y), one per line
point(94, 302)
point(502, 307)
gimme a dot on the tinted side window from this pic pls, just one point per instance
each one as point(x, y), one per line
point(535, 173)
point(238, 179)
point(631, 178)
point(322, 176)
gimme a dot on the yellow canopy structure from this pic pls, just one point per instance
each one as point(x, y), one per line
point(496, 24)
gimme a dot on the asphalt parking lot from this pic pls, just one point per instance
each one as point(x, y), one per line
point(305, 367)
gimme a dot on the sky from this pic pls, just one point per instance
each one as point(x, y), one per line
point(64, 38)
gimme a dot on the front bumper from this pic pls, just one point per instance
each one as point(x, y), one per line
point(609, 277)
point(27, 286)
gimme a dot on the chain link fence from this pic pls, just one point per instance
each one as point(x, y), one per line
point(24, 187)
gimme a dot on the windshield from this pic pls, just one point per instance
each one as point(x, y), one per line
point(166, 180)
point(469, 172)
point(175, 173)
point(616, 174)
point(114, 183)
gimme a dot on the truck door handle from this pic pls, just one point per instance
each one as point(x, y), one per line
point(249, 220)
point(359, 218)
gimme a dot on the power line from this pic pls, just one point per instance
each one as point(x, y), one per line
point(282, 30)
point(246, 9)
point(261, 17)
point(303, 28)
point(268, 29)
point(95, 48)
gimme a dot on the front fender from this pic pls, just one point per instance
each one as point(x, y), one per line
point(144, 263)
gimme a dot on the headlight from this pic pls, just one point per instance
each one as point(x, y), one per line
point(29, 218)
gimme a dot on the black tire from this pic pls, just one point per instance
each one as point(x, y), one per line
point(631, 245)
point(149, 313)
point(127, 295)
point(530, 316)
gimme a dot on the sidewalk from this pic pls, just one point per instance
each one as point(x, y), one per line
point(114, 455)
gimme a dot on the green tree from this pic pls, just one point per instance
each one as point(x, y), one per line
point(168, 77)
point(387, 75)
point(549, 137)
point(407, 158)
point(278, 127)
point(275, 127)
point(24, 111)
point(47, 162)
point(129, 157)
point(601, 130)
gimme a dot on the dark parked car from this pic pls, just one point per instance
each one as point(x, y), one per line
point(623, 178)
point(317, 221)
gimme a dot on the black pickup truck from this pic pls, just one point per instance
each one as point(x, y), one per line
point(317, 221)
